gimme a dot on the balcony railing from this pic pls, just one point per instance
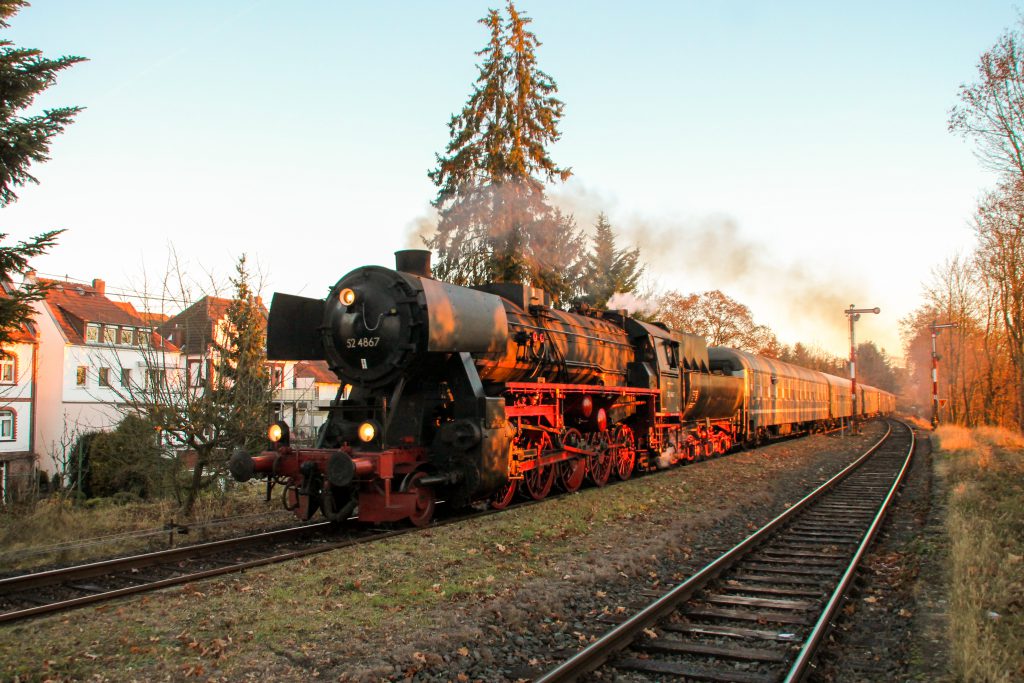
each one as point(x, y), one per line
point(292, 395)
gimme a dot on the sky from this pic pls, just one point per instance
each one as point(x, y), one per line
point(793, 154)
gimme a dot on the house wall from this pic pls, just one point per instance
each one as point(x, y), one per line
point(65, 410)
point(49, 387)
point(17, 398)
point(17, 459)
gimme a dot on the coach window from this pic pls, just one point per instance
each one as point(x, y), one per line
point(8, 370)
point(6, 425)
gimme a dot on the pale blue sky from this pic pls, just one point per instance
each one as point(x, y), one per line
point(746, 145)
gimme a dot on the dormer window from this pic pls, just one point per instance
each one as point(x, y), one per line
point(109, 334)
point(92, 333)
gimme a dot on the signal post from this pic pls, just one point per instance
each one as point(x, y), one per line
point(854, 315)
point(935, 327)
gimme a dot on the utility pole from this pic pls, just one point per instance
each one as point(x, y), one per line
point(935, 327)
point(854, 315)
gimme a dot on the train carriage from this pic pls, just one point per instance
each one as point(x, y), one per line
point(779, 397)
point(840, 404)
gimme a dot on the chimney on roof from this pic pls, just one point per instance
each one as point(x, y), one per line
point(100, 286)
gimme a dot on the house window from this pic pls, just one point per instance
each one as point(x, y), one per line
point(126, 336)
point(6, 425)
point(104, 377)
point(80, 375)
point(8, 370)
point(196, 374)
point(92, 333)
point(276, 376)
point(126, 377)
point(154, 378)
point(109, 334)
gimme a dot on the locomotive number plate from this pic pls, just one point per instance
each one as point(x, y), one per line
point(362, 342)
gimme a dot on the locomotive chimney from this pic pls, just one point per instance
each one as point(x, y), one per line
point(413, 261)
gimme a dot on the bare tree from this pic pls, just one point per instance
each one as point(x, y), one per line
point(992, 109)
point(999, 226)
point(721, 320)
point(207, 407)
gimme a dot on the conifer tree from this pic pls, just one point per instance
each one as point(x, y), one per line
point(24, 73)
point(245, 379)
point(494, 221)
point(609, 270)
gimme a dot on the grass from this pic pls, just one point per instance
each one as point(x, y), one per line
point(984, 469)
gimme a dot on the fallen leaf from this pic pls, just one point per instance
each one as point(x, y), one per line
point(650, 633)
point(464, 651)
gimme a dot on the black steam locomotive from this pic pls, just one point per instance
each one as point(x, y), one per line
point(470, 394)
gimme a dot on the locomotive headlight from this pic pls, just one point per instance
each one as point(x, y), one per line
point(367, 432)
point(347, 296)
point(274, 433)
point(278, 433)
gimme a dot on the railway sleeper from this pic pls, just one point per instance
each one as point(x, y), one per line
point(760, 617)
point(687, 647)
point(679, 669)
point(732, 632)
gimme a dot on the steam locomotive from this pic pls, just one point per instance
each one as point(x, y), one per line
point(472, 394)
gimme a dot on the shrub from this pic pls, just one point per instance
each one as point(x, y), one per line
point(128, 460)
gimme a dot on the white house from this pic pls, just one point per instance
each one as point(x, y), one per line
point(94, 355)
point(17, 394)
point(303, 397)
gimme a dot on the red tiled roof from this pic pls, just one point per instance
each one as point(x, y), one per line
point(73, 305)
point(150, 318)
point(24, 333)
point(193, 328)
point(318, 370)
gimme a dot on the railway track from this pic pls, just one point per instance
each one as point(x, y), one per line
point(58, 590)
point(758, 613)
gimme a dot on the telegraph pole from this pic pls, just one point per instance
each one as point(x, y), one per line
point(935, 327)
point(854, 315)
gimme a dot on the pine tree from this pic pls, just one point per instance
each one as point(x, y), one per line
point(16, 303)
point(609, 270)
point(244, 378)
point(24, 73)
point(494, 221)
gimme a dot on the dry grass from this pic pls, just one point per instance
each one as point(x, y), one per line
point(58, 531)
point(954, 438)
point(985, 472)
